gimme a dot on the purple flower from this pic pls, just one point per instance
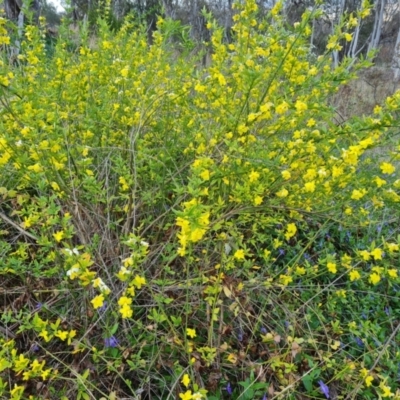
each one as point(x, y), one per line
point(103, 307)
point(324, 389)
point(281, 252)
point(38, 306)
point(240, 335)
point(111, 342)
point(265, 397)
point(228, 388)
point(35, 348)
point(263, 330)
point(359, 342)
point(387, 311)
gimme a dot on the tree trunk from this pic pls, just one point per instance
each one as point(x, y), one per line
point(396, 57)
point(377, 30)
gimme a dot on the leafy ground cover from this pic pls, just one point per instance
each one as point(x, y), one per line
point(176, 231)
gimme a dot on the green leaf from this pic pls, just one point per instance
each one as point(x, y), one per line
point(307, 382)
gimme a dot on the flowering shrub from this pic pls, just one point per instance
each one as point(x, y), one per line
point(195, 232)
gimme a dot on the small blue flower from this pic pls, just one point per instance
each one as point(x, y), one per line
point(240, 335)
point(265, 397)
point(359, 342)
point(387, 311)
point(38, 306)
point(324, 389)
point(102, 308)
point(263, 330)
point(281, 252)
point(228, 388)
point(111, 342)
point(35, 348)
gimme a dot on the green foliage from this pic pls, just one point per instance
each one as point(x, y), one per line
point(175, 231)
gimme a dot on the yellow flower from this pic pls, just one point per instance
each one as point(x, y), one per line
point(374, 278)
point(71, 335)
point(98, 283)
point(185, 380)
point(26, 375)
point(309, 187)
point(186, 396)
point(45, 335)
point(21, 363)
point(300, 106)
point(61, 334)
point(139, 281)
point(311, 122)
point(286, 175)
point(254, 175)
point(291, 230)
point(348, 37)
point(258, 200)
point(392, 273)
point(285, 279)
point(125, 72)
point(365, 254)
point(36, 168)
point(55, 186)
point(377, 254)
point(392, 247)
point(124, 301)
point(239, 254)
point(387, 168)
point(36, 366)
point(348, 211)
point(46, 373)
point(386, 391)
point(300, 271)
point(379, 182)
point(282, 108)
point(58, 236)
point(191, 332)
point(123, 274)
point(358, 194)
point(98, 301)
point(17, 392)
point(123, 183)
point(27, 222)
point(205, 175)
point(282, 193)
point(354, 275)
point(331, 267)
point(368, 380)
point(126, 311)
point(197, 234)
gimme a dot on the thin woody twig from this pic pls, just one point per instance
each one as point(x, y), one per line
point(16, 226)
